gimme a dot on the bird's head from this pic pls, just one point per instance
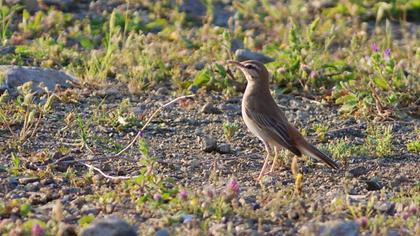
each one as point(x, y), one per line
point(254, 71)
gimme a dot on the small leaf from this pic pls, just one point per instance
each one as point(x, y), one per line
point(203, 77)
point(86, 43)
point(381, 82)
point(85, 220)
point(349, 99)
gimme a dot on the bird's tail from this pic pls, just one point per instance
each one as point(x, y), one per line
point(310, 150)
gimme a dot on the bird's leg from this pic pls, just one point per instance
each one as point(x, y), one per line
point(268, 149)
point(276, 155)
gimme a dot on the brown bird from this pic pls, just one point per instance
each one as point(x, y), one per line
point(265, 120)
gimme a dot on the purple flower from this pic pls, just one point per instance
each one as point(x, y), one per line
point(233, 186)
point(374, 47)
point(362, 221)
point(314, 74)
point(157, 197)
point(37, 230)
point(413, 210)
point(183, 195)
point(387, 53)
point(209, 192)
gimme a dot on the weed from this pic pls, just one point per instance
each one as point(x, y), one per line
point(379, 140)
point(229, 129)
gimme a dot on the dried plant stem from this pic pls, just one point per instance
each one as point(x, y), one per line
point(150, 119)
point(104, 174)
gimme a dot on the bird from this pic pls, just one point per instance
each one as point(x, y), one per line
point(268, 122)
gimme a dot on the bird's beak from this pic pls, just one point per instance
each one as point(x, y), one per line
point(236, 63)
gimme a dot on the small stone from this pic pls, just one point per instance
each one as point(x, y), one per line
point(187, 218)
point(27, 180)
point(109, 226)
point(245, 54)
point(209, 108)
point(358, 171)
point(224, 148)
point(162, 232)
point(399, 180)
point(47, 181)
point(66, 230)
point(373, 185)
point(385, 207)
point(330, 228)
point(208, 144)
point(61, 4)
point(162, 91)
point(217, 229)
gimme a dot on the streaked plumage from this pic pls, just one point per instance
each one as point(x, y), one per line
point(265, 120)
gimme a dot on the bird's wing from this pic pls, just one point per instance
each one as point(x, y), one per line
point(278, 130)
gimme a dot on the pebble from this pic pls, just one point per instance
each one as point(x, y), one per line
point(66, 230)
point(224, 148)
point(162, 91)
point(109, 226)
point(385, 207)
point(373, 184)
point(27, 180)
point(209, 108)
point(208, 144)
point(358, 171)
point(162, 232)
point(331, 228)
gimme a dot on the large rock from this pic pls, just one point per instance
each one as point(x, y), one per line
point(14, 76)
point(109, 226)
point(331, 228)
point(194, 8)
point(245, 54)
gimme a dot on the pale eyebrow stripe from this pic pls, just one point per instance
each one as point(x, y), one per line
point(253, 67)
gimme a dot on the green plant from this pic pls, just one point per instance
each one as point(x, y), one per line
point(229, 129)
point(379, 140)
point(6, 17)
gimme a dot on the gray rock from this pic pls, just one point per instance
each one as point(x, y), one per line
point(358, 171)
point(31, 5)
point(221, 15)
point(162, 232)
point(7, 49)
point(385, 207)
point(330, 228)
point(187, 218)
point(162, 91)
point(224, 148)
point(27, 180)
point(194, 8)
point(66, 230)
point(399, 180)
point(209, 108)
point(109, 226)
point(208, 144)
point(245, 54)
point(15, 76)
point(236, 44)
point(373, 184)
point(62, 4)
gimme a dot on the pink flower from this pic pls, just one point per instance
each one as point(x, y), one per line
point(183, 195)
point(233, 186)
point(37, 230)
point(362, 221)
point(374, 47)
point(157, 197)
